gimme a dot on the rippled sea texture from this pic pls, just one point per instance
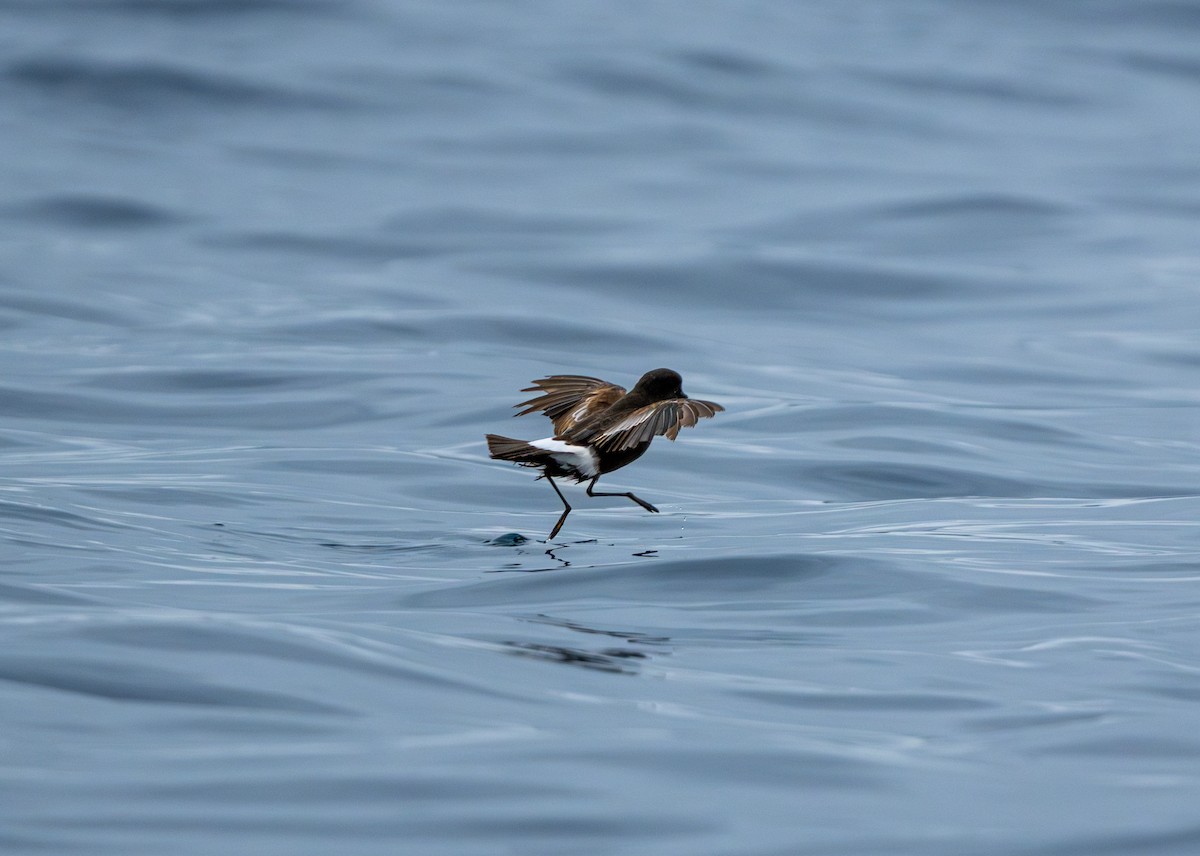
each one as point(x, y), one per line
point(271, 269)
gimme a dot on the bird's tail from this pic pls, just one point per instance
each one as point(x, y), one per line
point(517, 451)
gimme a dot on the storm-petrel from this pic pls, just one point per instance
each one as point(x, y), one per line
point(599, 427)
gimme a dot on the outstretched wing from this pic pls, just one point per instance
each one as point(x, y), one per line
point(659, 418)
point(570, 399)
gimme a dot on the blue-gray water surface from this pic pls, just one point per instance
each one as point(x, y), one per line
point(271, 269)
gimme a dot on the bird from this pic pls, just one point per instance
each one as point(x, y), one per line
point(599, 427)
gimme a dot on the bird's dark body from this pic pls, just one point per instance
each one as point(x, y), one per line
point(610, 461)
point(599, 427)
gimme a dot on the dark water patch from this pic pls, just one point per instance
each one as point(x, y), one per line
point(610, 79)
point(882, 616)
point(1000, 374)
point(426, 93)
point(177, 636)
point(335, 462)
point(888, 480)
point(11, 593)
point(186, 10)
point(904, 445)
point(193, 10)
point(725, 579)
point(378, 545)
point(1129, 747)
point(394, 788)
point(751, 638)
point(334, 329)
point(95, 212)
point(686, 84)
point(1182, 689)
point(530, 830)
point(573, 145)
point(866, 701)
point(333, 247)
point(11, 842)
point(306, 161)
point(79, 308)
point(1181, 356)
point(167, 497)
point(564, 830)
point(976, 88)
point(1185, 67)
point(1184, 569)
point(380, 549)
point(310, 412)
point(125, 682)
point(857, 481)
point(1166, 13)
point(981, 599)
point(33, 513)
point(908, 598)
point(223, 728)
point(1175, 16)
point(817, 588)
point(710, 85)
point(993, 205)
point(500, 329)
point(1178, 841)
point(158, 87)
point(728, 62)
point(414, 298)
point(235, 381)
point(786, 768)
point(920, 421)
point(965, 221)
point(532, 329)
point(762, 285)
point(1022, 721)
point(944, 226)
point(703, 579)
point(459, 230)
point(1146, 545)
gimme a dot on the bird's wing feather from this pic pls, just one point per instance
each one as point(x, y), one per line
point(570, 399)
point(653, 420)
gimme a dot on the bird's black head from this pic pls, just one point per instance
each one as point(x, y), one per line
point(660, 384)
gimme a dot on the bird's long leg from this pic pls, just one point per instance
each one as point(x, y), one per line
point(636, 499)
point(566, 509)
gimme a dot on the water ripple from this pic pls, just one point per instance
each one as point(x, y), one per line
point(159, 87)
point(144, 684)
point(96, 212)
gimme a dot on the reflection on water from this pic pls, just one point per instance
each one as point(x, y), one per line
point(272, 269)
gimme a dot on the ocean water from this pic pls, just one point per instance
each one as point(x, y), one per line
point(271, 269)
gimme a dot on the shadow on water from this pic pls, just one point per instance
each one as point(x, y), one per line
point(615, 660)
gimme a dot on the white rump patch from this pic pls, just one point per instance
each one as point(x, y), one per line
point(579, 458)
